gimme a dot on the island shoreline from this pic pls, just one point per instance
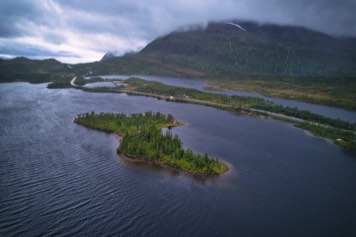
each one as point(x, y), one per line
point(135, 144)
point(162, 165)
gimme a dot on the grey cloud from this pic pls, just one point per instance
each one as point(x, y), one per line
point(149, 18)
point(329, 16)
point(124, 18)
point(146, 20)
point(15, 14)
point(32, 51)
point(54, 38)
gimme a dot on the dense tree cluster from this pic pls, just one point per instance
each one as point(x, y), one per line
point(150, 144)
point(143, 139)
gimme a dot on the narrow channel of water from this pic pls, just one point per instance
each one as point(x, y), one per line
point(328, 111)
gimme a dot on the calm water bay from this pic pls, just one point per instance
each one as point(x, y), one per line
point(59, 178)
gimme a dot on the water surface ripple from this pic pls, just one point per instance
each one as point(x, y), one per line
point(59, 178)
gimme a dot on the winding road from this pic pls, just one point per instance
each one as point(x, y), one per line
point(72, 82)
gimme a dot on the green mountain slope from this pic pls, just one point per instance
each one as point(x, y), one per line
point(245, 48)
point(35, 71)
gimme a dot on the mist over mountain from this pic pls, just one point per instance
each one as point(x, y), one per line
point(228, 49)
point(233, 48)
point(108, 56)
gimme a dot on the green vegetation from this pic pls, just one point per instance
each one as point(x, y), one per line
point(232, 103)
point(144, 140)
point(341, 132)
point(157, 88)
point(345, 139)
point(220, 50)
point(301, 114)
point(337, 92)
point(241, 104)
point(34, 71)
point(130, 65)
point(59, 85)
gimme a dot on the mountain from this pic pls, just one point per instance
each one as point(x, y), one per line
point(36, 71)
point(279, 61)
point(288, 62)
point(236, 48)
point(228, 49)
point(108, 56)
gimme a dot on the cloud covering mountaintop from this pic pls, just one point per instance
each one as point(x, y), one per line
point(80, 30)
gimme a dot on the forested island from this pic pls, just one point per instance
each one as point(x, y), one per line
point(142, 139)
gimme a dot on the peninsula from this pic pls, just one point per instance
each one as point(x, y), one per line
point(142, 139)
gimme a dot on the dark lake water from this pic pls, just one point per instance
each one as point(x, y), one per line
point(59, 178)
point(100, 84)
point(336, 113)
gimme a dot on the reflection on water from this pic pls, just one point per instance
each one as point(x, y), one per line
point(59, 178)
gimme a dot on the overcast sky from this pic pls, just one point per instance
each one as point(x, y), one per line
point(83, 30)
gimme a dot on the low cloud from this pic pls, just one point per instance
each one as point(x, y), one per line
point(80, 31)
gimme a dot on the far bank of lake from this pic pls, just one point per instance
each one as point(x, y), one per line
point(328, 111)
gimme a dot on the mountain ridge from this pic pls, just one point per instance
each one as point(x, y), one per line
point(33, 70)
point(224, 49)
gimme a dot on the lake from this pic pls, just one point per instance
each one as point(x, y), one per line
point(332, 112)
point(59, 178)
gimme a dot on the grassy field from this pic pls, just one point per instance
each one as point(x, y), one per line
point(337, 92)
